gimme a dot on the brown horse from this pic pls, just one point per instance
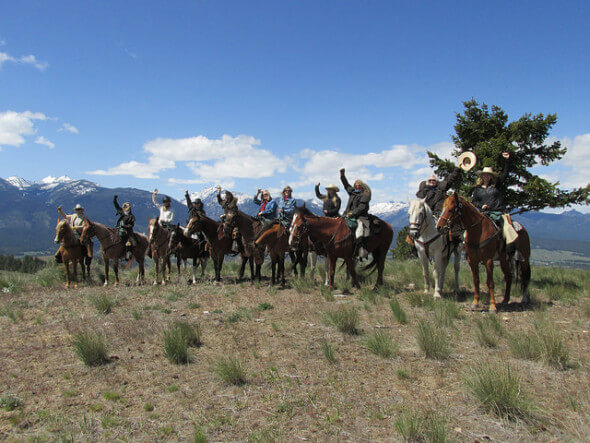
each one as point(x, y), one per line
point(71, 251)
point(220, 243)
point(185, 247)
point(159, 241)
point(276, 239)
point(112, 248)
point(336, 238)
point(249, 228)
point(484, 244)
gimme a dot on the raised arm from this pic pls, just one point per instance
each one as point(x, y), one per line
point(446, 184)
point(61, 212)
point(116, 203)
point(505, 171)
point(189, 203)
point(154, 201)
point(421, 190)
point(345, 183)
point(318, 193)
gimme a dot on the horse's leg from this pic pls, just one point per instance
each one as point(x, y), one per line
point(327, 271)
point(525, 278)
point(282, 269)
point(204, 261)
point(165, 262)
point(314, 262)
point(302, 262)
point(474, 265)
point(67, 266)
point(425, 270)
point(273, 265)
point(440, 267)
point(251, 264)
point(116, 269)
point(507, 270)
point(141, 272)
point(106, 269)
point(350, 266)
point(196, 262)
point(169, 262)
point(381, 257)
point(457, 267)
point(242, 268)
point(157, 270)
point(490, 283)
point(75, 266)
point(219, 266)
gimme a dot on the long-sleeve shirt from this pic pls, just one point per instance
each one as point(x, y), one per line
point(288, 207)
point(267, 209)
point(358, 202)
point(435, 196)
point(166, 214)
point(229, 204)
point(195, 207)
point(491, 196)
point(76, 221)
point(331, 205)
point(126, 220)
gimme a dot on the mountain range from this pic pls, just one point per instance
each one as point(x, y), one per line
point(29, 213)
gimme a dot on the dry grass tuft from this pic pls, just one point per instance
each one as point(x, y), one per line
point(230, 370)
point(398, 312)
point(381, 344)
point(91, 348)
point(346, 319)
point(433, 340)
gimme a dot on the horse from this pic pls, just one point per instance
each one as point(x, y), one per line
point(71, 251)
point(249, 228)
point(220, 243)
point(185, 247)
point(159, 241)
point(112, 248)
point(432, 245)
point(484, 244)
point(336, 237)
point(276, 239)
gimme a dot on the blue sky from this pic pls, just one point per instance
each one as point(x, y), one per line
point(250, 94)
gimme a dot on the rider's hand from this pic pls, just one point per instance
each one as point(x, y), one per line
point(155, 191)
point(59, 208)
point(116, 197)
point(318, 185)
point(326, 211)
point(506, 155)
point(281, 210)
point(342, 171)
point(258, 191)
point(186, 192)
point(484, 207)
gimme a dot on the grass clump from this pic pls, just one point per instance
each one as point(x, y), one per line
point(230, 370)
point(11, 312)
point(111, 396)
point(445, 312)
point(489, 330)
point(264, 307)
point(191, 333)
point(419, 300)
point(498, 388)
point(329, 352)
point(103, 303)
point(368, 295)
point(410, 426)
point(381, 344)
point(10, 402)
point(199, 435)
point(398, 312)
point(176, 346)
point(302, 285)
point(415, 426)
point(326, 293)
point(346, 319)
point(433, 340)
point(91, 348)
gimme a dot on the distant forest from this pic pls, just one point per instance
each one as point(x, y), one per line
point(27, 264)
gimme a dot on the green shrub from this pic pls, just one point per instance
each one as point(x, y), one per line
point(381, 344)
point(498, 388)
point(433, 340)
point(555, 351)
point(230, 370)
point(398, 312)
point(368, 295)
point(111, 396)
point(525, 346)
point(10, 402)
point(346, 319)
point(326, 293)
point(103, 303)
point(91, 348)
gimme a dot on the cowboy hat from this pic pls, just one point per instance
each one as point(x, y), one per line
point(126, 205)
point(78, 206)
point(334, 187)
point(166, 199)
point(467, 160)
point(487, 170)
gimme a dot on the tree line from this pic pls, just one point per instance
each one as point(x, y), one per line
point(27, 264)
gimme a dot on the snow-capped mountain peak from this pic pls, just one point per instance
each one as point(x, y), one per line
point(389, 207)
point(18, 182)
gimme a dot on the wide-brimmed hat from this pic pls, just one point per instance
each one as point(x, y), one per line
point(126, 205)
point(166, 199)
point(487, 170)
point(78, 206)
point(333, 187)
point(467, 160)
point(287, 188)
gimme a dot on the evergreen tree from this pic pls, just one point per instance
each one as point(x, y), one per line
point(488, 133)
point(403, 250)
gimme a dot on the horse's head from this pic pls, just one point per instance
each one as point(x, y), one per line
point(229, 223)
point(87, 231)
point(417, 213)
point(153, 228)
point(451, 212)
point(60, 229)
point(193, 225)
point(175, 237)
point(298, 227)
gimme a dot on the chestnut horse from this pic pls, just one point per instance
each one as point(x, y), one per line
point(112, 248)
point(71, 251)
point(220, 243)
point(185, 247)
point(159, 241)
point(484, 244)
point(249, 228)
point(276, 239)
point(336, 238)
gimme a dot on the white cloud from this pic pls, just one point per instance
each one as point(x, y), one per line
point(43, 141)
point(24, 60)
point(208, 159)
point(577, 158)
point(68, 128)
point(14, 126)
point(133, 55)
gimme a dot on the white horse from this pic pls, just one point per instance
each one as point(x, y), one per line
point(432, 245)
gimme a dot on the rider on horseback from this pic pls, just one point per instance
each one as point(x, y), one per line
point(489, 199)
point(76, 221)
point(268, 207)
point(357, 210)
point(230, 210)
point(195, 209)
point(286, 206)
point(166, 214)
point(331, 201)
point(434, 192)
point(125, 225)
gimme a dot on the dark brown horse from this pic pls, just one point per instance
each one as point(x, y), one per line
point(72, 252)
point(112, 248)
point(249, 228)
point(276, 239)
point(336, 238)
point(159, 241)
point(185, 247)
point(484, 244)
point(220, 243)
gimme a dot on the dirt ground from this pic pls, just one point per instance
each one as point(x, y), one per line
point(292, 392)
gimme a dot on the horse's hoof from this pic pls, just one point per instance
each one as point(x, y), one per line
point(437, 295)
point(75, 286)
point(155, 283)
point(474, 306)
point(164, 282)
point(493, 309)
point(105, 284)
point(116, 283)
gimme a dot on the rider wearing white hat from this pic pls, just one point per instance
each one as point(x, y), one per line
point(331, 201)
point(76, 221)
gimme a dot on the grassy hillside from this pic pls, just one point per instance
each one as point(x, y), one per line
point(295, 363)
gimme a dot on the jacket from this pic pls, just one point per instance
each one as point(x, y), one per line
point(125, 221)
point(166, 215)
point(269, 211)
point(358, 202)
point(288, 207)
point(229, 204)
point(196, 207)
point(331, 205)
point(492, 195)
point(435, 196)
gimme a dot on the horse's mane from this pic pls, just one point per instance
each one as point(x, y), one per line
point(416, 204)
point(267, 232)
point(306, 212)
point(246, 216)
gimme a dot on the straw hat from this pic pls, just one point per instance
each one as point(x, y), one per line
point(78, 206)
point(467, 160)
point(334, 187)
point(487, 170)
